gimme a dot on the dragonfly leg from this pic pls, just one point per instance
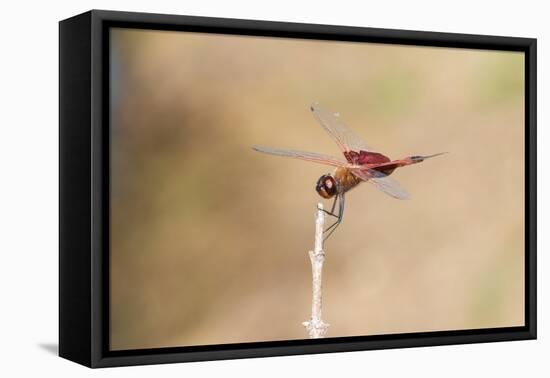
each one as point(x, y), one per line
point(331, 212)
point(330, 229)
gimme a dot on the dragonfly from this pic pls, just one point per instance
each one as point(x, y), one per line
point(360, 164)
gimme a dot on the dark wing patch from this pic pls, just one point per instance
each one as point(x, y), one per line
point(366, 157)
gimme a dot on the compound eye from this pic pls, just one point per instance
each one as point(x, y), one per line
point(330, 185)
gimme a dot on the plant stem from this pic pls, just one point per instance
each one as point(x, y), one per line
point(315, 326)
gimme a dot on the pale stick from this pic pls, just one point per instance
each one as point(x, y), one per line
point(315, 326)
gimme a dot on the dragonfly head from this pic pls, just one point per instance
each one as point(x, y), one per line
point(326, 186)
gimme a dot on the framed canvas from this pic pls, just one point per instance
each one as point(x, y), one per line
point(235, 188)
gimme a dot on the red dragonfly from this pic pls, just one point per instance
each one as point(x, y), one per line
point(360, 165)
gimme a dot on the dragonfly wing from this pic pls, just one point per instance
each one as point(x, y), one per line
point(303, 155)
point(391, 187)
point(382, 182)
point(346, 139)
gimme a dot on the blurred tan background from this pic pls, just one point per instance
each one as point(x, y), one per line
point(209, 239)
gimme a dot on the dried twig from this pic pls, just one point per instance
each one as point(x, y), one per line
point(315, 326)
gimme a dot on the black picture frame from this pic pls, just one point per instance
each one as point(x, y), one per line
point(84, 187)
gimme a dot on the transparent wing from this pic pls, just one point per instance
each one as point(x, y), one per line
point(308, 156)
point(346, 139)
point(391, 187)
point(382, 182)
